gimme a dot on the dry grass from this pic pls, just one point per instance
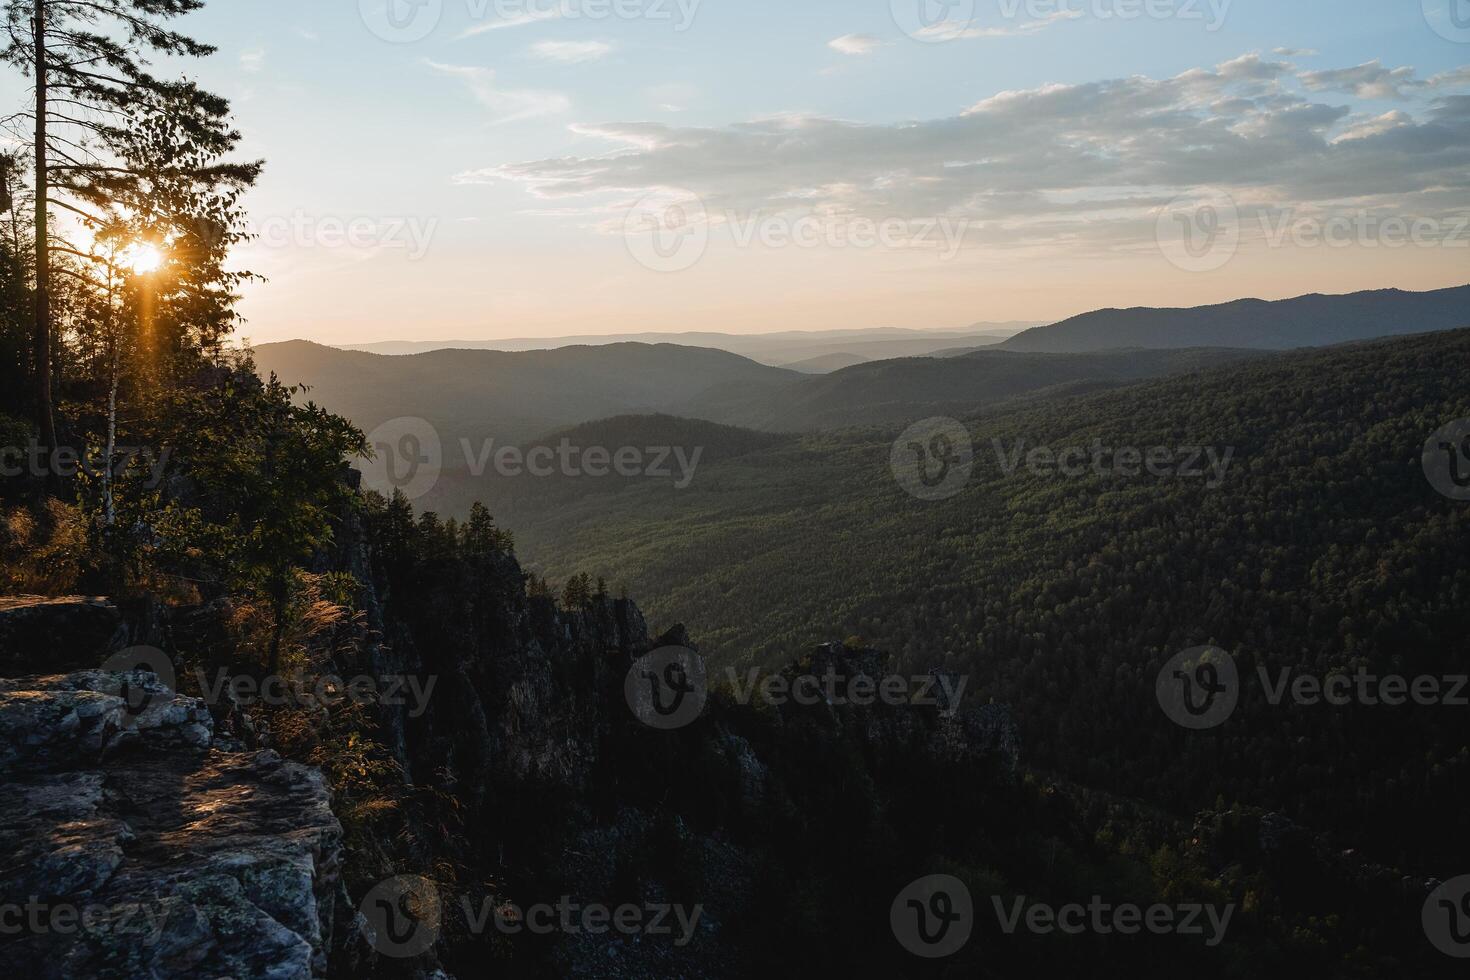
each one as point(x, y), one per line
point(43, 552)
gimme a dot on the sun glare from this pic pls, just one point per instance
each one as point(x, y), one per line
point(141, 257)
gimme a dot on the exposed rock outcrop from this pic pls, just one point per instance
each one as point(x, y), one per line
point(134, 848)
point(55, 635)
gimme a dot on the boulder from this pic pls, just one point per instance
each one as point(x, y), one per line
point(139, 849)
point(41, 635)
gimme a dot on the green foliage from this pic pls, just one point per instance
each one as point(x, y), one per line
point(578, 592)
point(1324, 549)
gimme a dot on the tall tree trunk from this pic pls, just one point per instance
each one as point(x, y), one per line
point(109, 511)
point(42, 339)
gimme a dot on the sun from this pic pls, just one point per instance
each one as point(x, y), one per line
point(141, 257)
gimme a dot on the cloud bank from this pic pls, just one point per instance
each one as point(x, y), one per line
point(1088, 163)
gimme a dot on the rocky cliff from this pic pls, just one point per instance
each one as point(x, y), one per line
point(136, 846)
point(518, 788)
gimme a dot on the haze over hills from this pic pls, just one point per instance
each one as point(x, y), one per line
point(1306, 321)
point(776, 349)
point(826, 363)
point(518, 395)
point(514, 395)
point(907, 389)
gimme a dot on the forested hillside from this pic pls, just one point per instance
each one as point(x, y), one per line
point(1323, 549)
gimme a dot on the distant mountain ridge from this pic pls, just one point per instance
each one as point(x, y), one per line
point(1314, 320)
point(777, 349)
point(511, 394)
point(519, 395)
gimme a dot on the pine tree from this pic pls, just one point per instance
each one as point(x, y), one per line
point(578, 592)
point(108, 134)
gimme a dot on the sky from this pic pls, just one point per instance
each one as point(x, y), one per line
point(474, 169)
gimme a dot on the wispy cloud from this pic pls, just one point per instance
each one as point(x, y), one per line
point(673, 96)
point(855, 44)
point(252, 61)
point(571, 52)
point(509, 105)
point(518, 20)
point(960, 30)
